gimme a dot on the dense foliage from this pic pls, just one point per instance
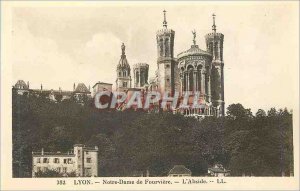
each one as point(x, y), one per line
point(247, 144)
point(53, 173)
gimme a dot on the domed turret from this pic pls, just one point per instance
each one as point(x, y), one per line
point(123, 81)
point(123, 63)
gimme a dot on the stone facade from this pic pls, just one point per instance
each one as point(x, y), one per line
point(140, 73)
point(193, 70)
point(123, 81)
point(167, 67)
point(80, 92)
point(101, 86)
point(82, 160)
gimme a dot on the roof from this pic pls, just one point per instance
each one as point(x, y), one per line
point(218, 170)
point(101, 83)
point(141, 65)
point(180, 169)
point(21, 85)
point(53, 154)
point(61, 92)
point(194, 50)
point(123, 63)
point(81, 88)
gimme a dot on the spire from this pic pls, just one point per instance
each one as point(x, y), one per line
point(123, 50)
point(214, 27)
point(194, 37)
point(165, 20)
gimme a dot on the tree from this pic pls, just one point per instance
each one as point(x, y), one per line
point(48, 173)
point(261, 145)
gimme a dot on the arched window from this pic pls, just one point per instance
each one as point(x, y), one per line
point(211, 46)
point(191, 81)
point(142, 78)
point(161, 47)
point(206, 83)
point(166, 47)
point(216, 50)
point(190, 78)
point(199, 77)
point(137, 77)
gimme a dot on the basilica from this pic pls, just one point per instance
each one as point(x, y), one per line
point(193, 70)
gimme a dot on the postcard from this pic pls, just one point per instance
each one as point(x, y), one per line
point(154, 95)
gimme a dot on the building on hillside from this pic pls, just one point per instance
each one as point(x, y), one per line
point(101, 86)
point(82, 160)
point(21, 87)
point(218, 170)
point(180, 171)
point(193, 70)
point(123, 81)
point(80, 92)
point(140, 73)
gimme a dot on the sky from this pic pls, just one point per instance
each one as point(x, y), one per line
point(60, 45)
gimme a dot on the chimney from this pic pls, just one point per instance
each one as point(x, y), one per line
point(74, 87)
point(59, 89)
point(28, 84)
point(41, 86)
point(42, 151)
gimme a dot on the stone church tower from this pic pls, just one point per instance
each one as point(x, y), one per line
point(123, 81)
point(167, 72)
point(214, 45)
point(140, 73)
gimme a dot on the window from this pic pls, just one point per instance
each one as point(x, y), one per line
point(64, 169)
point(70, 161)
point(124, 84)
point(88, 160)
point(56, 160)
point(38, 160)
point(45, 160)
point(65, 161)
point(88, 172)
point(161, 47)
point(58, 169)
point(167, 47)
point(38, 169)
